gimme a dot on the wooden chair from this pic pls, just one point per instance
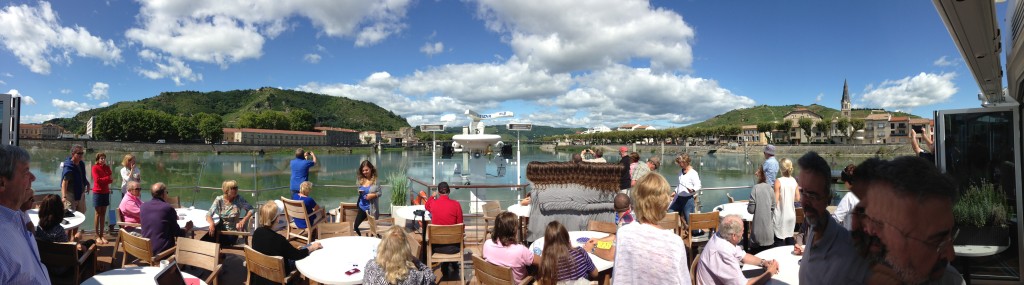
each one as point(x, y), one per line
point(296, 209)
point(604, 227)
point(374, 223)
point(348, 211)
point(453, 234)
point(329, 230)
point(65, 255)
point(205, 255)
point(415, 245)
point(491, 274)
point(693, 270)
point(702, 221)
point(121, 224)
point(799, 218)
point(173, 201)
point(671, 222)
point(491, 210)
point(140, 248)
point(269, 267)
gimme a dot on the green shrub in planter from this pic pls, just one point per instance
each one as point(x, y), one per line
point(981, 214)
point(399, 188)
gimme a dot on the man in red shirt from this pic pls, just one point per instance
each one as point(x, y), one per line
point(445, 212)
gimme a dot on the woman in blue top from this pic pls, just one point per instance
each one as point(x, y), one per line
point(311, 207)
point(368, 193)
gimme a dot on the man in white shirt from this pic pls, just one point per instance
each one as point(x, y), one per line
point(19, 257)
point(720, 261)
point(598, 155)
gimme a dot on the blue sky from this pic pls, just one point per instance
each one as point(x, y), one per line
point(552, 62)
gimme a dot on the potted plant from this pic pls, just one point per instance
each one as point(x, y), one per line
point(981, 214)
point(399, 193)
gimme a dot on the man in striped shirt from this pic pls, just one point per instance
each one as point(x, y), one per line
point(19, 257)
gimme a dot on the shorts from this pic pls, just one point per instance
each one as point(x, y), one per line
point(75, 205)
point(100, 200)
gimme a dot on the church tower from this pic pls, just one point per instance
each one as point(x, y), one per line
point(846, 100)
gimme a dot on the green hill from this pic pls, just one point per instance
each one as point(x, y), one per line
point(765, 113)
point(329, 111)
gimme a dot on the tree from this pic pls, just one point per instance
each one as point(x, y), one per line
point(211, 127)
point(767, 128)
point(843, 125)
point(806, 124)
point(300, 120)
point(785, 126)
point(825, 127)
point(857, 124)
point(186, 128)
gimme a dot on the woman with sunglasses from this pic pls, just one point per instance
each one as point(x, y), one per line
point(229, 206)
point(131, 206)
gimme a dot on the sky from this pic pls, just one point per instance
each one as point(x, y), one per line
point(564, 63)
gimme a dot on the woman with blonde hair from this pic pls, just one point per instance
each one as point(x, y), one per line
point(395, 264)
point(229, 206)
point(129, 172)
point(689, 184)
point(305, 189)
point(644, 252)
point(266, 241)
point(786, 195)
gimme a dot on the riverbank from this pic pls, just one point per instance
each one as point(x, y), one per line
point(854, 150)
point(184, 148)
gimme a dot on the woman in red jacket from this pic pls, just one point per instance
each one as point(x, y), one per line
point(101, 195)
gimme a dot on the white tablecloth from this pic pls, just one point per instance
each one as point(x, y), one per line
point(520, 210)
point(738, 208)
point(407, 212)
point(130, 275)
point(197, 216)
point(601, 264)
point(978, 250)
point(73, 222)
point(789, 265)
point(340, 254)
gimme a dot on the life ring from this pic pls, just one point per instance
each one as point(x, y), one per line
point(420, 199)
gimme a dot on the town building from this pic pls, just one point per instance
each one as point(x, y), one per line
point(899, 130)
point(796, 134)
point(750, 136)
point(876, 128)
point(273, 137)
point(340, 136)
point(634, 127)
point(597, 129)
point(369, 137)
point(39, 131)
point(844, 104)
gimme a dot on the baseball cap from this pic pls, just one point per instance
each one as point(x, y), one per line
point(622, 148)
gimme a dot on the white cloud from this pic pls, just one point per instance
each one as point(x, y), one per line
point(819, 97)
point(432, 48)
point(566, 35)
point(36, 37)
point(224, 32)
point(168, 67)
point(621, 91)
point(922, 89)
point(65, 91)
point(312, 58)
point(3, 82)
point(38, 118)
point(99, 91)
point(487, 82)
point(27, 100)
point(70, 106)
point(943, 62)
point(8, 74)
point(104, 104)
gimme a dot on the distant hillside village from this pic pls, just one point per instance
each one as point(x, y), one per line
point(800, 125)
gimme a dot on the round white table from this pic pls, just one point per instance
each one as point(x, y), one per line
point(736, 208)
point(520, 210)
point(131, 275)
point(789, 265)
point(328, 265)
point(408, 213)
point(538, 247)
point(197, 216)
point(73, 222)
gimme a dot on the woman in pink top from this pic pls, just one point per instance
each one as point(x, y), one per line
point(502, 249)
point(131, 205)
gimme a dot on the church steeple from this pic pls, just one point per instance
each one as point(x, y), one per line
point(845, 103)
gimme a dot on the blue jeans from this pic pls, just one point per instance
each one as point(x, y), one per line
point(684, 205)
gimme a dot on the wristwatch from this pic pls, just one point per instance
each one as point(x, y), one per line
point(762, 262)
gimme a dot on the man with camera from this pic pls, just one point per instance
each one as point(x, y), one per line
point(597, 153)
point(300, 170)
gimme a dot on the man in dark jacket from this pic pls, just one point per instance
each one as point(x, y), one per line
point(625, 180)
point(160, 221)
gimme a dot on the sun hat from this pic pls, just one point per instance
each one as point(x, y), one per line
point(769, 150)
